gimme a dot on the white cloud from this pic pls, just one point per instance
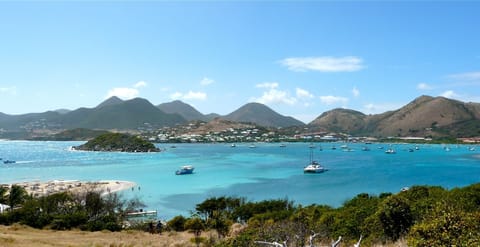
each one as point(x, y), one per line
point(470, 76)
point(140, 84)
point(189, 96)
point(424, 86)
point(270, 85)
point(450, 94)
point(355, 92)
point(195, 95)
point(206, 81)
point(8, 90)
point(331, 100)
point(176, 95)
point(127, 93)
point(123, 93)
point(380, 108)
point(274, 96)
point(324, 64)
point(303, 94)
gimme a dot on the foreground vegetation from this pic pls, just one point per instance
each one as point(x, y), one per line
point(88, 210)
point(419, 216)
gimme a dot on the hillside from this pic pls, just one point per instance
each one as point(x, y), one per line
point(340, 120)
point(111, 114)
point(114, 100)
point(424, 116)
point(130, 114)
point(262, 115)
point(182, 109)
point(219, 125)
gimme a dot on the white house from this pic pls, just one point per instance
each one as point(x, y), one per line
point(3, 208)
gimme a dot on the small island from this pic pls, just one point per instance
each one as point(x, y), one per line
point(117, 142)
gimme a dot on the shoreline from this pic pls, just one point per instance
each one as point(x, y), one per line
point(42, 188)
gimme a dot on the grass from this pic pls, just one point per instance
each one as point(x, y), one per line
point(23, 236)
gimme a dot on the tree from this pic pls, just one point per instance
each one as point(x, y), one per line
point(220, 223)
point(3, 191)
point(395, 216)
point(196, 226)
point(177, 223)
point(446, 226)
point(17, 196)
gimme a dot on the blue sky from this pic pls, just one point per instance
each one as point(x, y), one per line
point(299, 58)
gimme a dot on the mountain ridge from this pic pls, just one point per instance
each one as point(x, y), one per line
point(423, 116)
point(261, 115)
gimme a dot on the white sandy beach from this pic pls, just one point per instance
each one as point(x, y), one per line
point(38, 188)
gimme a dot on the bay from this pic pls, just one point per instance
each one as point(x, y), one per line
point(265, 172)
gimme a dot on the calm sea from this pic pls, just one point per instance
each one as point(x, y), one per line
point(265, 172)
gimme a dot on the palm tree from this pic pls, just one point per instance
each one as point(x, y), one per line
point(17, 196)
point(3, 191)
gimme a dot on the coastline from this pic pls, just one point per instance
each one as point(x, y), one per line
point(39, 188)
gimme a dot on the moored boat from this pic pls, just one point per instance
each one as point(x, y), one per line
point(185, 170)
point(314, 167)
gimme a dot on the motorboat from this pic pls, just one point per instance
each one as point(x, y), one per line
point(185, 170)
point(233, 145)
point(282, 145)
point(314, 167)
point(9, 162)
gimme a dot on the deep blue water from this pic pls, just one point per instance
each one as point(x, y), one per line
point(265, 172)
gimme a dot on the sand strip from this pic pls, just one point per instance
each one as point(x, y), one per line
point(37, 188)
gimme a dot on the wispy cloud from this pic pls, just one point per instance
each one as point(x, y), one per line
point(270, 85)
point(206, 81)
point(355, 92)
point(324, 64)
point(450, 94)
point(140, 84)
point(190, 95)
point(424, 86)
point(303, 94)
point(469, 76)
point(127, 92)
point(375, 108)
point(333, 100)
point(8, 90)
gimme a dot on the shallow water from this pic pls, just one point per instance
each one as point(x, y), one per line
point(265, 172)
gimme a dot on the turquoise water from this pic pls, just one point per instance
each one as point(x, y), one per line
point(265, 172)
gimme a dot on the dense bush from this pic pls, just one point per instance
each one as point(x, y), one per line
point(118, 142)
point(424, 215)
point(62, 211)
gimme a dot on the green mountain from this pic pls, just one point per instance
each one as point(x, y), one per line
point(261, 115)
point(111, 114)
point(182, 109)
point(131, 114)
point(114, 100)
point(339, 120)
